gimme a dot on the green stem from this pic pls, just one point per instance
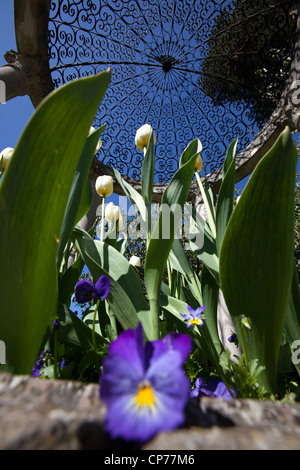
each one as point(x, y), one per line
point(102, 219)
point(55, 356)
point(243, 345)
point(213, 356)
point(155, 312)
point(148, 211)
point(207, 206)
point(112, 320)
point(149, 222)
point(170, 277)
point(94, 324)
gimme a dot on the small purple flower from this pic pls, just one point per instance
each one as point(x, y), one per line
point(85, 290)
point(55, 325)
point(213, 388)
point(40, 363)
point(194, 317)
point(102, 287)
point(233, 339)
point(144, 385)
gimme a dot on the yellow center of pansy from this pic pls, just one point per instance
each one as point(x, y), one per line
point(195, 321)
point(145, 396)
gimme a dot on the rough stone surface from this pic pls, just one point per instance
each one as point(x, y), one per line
point(40, 414)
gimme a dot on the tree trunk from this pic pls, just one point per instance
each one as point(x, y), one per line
point(13, 83)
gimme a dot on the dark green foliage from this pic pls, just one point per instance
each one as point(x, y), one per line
point(249, 55)
point(297, 225)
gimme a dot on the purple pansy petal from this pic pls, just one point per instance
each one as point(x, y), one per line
point(35, 372)
point(157, 365)
point(192, 316)
point(185, 317)
point(84, 291)
point(130, 345)
point(172, 411)
point(182, 344)
point(118, 378)
point(199, 383)
point(127, 421)
point(102, 287)
point(124, 420)
point(213, 388)
point(194, 393)
point(190, 325)
point(173, 342)
point(165, 371)
point(212, 384)
point(164, 417)
point(191, 311)
point(220, 390)
point(200, 310)
point(195, 313)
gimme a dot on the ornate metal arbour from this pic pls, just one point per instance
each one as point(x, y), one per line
point(156, 50)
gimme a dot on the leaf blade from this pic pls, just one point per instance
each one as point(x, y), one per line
point(254, 281)
point(33, 197)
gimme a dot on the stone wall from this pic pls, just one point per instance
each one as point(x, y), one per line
point(41, 414)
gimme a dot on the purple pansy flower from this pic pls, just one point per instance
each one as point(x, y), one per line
point(213, 388)
point(85, 290)
point(232, 338)
point(194, 317)
point(40, 363)
point(144, 385)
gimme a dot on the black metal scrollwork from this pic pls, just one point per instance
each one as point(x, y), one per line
point(167, 71)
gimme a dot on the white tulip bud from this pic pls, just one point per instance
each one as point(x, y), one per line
point(142, 136)
point(104, 185)
point(5, 156)
point(99, 144)
point(198, 163)
point(113, 212)
point(135, 261)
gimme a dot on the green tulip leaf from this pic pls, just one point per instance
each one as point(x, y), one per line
point(147, 174)
point(33, 196)
point(179, 261)
point(162, 237)
point(133, 195)
point(126, 298)
point(75, 332)
point(226, 194)
point(256, 258)
point(293, 315)
point(210, 289)
point(80, 197)
point(193, 148)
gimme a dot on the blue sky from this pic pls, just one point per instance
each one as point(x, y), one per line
point(14, 114)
